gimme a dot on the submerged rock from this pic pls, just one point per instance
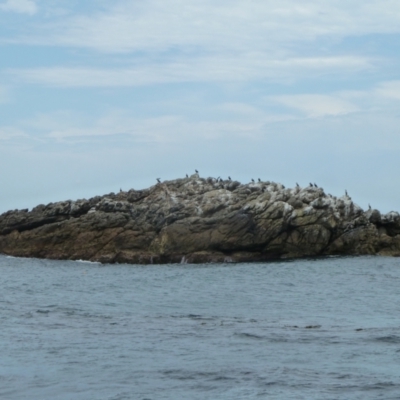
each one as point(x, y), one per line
point(200, 220)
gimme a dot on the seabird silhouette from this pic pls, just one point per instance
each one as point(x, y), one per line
point(229, 178)
point(259, 180)
point(369, 206)
point(252, 180)
point(315, 185)
point(311, 185)
point(187, 176)
point(158, 180)
point(196, 171)
point(297, 184)
point(346, 192)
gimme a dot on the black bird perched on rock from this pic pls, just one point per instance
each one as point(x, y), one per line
point(196, 171)
point(311, 185)
point(346, 192)
point(283, 186)
point(369, 206)
point(315, 185)
point(252, 180)
point(297, 184)
point(158, 180)
point(187, 176)
point(259, 180)
point(229, 178)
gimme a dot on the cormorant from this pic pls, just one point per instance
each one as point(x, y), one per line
point(158, 180)
point(196, 171)
point(187, 176)
point(297, 184)
point(252, 180)
point(259, 180)
point(229, 178)
point(369, 206)
point(346, 192)
point(315, 185)
point(311, 185)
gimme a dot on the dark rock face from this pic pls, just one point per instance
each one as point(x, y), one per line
point(200, 220)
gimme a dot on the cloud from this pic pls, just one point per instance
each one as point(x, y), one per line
point(10, 133)
point(119, 127)
point(156, 130)
point(375, 99)
point(316, 105)
point(4, 95)
point(389, 90)
point(247, 67)
point(19, 6)
point(216, 25)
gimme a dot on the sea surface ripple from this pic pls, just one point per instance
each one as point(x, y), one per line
point(306, 329)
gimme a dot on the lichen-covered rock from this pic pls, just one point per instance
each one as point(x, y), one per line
point(200, 220)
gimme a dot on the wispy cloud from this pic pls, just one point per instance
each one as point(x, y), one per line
point(316, 105)
point(9, 133)
point(70, 127)
point(4, 95)
point(258, 25)
point(249, 66)
point(230, 120)
point(19, 6)
point(389, 90)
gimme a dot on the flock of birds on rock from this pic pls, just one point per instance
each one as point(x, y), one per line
point(219, 179)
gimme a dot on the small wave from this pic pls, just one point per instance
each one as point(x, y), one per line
point(250, 335)
point(23, 258)
point(87, 262)
point(305, 327)
point(183, 375)
point(43, 311)
point(125, 396)
point(380, 386)
point(195, 317)
point(344, 376)
point(388, 339)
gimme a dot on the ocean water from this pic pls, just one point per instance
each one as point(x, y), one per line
point(309, 329)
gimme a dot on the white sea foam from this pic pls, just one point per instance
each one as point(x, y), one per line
point(86, 262)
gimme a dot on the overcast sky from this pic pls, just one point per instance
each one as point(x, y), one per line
point(101, 95)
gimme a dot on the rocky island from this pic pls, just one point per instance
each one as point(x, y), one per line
point(197, 220)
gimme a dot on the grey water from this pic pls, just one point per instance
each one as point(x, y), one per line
point(306, 329)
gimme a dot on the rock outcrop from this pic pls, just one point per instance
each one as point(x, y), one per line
point(200, 220)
